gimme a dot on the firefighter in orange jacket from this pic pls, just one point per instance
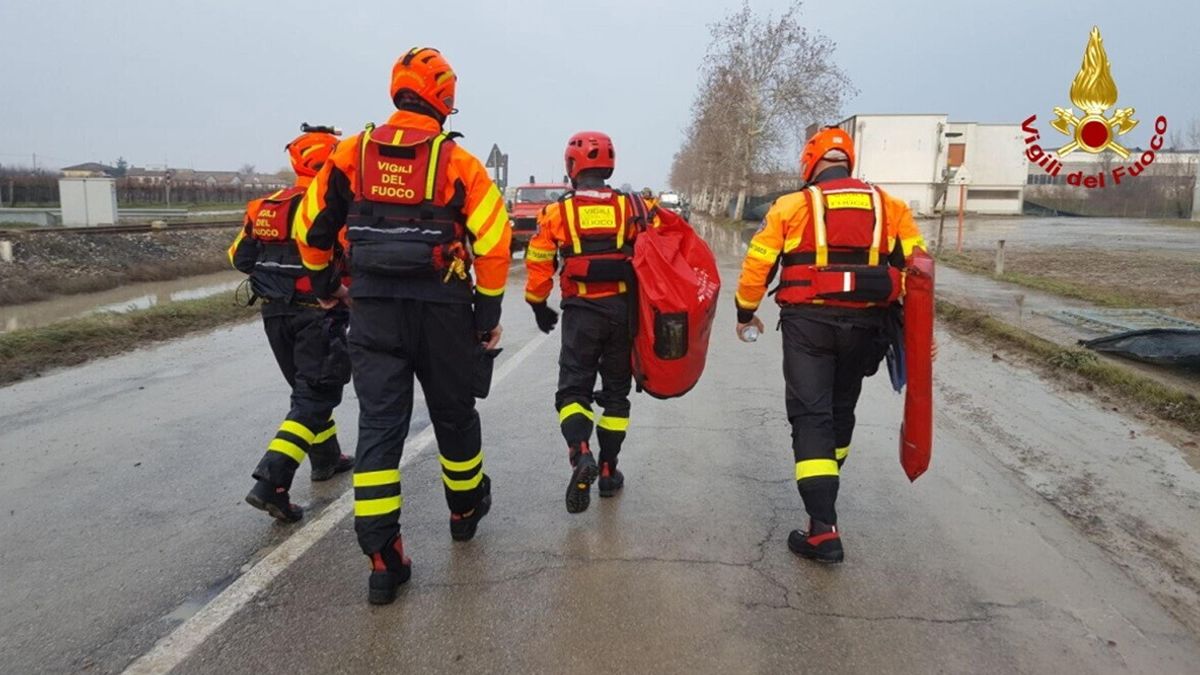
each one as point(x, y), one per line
point(648, 198)
point(592, 230)
point(839, 246)
point(309, 342)
point(420, 214)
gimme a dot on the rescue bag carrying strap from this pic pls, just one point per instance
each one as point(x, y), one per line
point(641, 216)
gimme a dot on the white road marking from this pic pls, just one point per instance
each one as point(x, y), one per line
point(180, 643)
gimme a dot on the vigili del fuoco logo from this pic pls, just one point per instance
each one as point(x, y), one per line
point(1094, 93)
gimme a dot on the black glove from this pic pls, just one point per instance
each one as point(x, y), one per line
point(487, 312)
point(546, 318)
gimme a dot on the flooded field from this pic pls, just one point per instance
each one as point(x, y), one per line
point(123, 299)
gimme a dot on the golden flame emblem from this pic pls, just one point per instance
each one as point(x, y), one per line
point(1094, 92)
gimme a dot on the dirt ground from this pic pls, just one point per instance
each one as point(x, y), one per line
point(46, 265)
point(1145, 278)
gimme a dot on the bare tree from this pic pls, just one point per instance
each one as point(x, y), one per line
point(765, 78)
point(246, 170)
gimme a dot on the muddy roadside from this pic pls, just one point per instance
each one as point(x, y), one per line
point(28, 353)
point(46, 265)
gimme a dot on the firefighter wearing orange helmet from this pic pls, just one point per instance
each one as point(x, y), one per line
point(591, 229)
point(429, 255)
point(839, 246)
point(309, 342)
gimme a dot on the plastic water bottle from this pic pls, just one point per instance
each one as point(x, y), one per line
point(750, 334)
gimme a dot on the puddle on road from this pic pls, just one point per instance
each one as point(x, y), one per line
point(123, 299)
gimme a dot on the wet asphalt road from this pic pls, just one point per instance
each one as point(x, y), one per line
point(121, 513)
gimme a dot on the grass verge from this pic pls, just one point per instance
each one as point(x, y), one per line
point(27, 353)
point(1104, 296)
point(1146, 394)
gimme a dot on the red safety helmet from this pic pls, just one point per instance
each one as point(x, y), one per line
point(589, 150)
point(309, 150)
point(829, 139)
point(426, 73)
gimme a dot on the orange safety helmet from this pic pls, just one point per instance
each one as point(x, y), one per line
point(589, 150)
point(426, 73)
point(309, 150)
point(828, 139)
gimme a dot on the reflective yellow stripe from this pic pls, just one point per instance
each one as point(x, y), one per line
point(377, 507)
point(377, 478)
point(463, 485)
point(431, 172)
point(479, 217)
point(582, 287)
point(811, 468)
point(877, 202)
point(325, 435)
point(620, 221)
point(744, 303)
point(568, 206)
point(398, 136)
point(760, 252)
point(451, 465)
point(298, 430)
point(842, 453)
point(907, 245)
point(534, 254)
point(818, 216)
point(490, 292)
point(287, 448)
point(621, 287)
point(533, 297)
point(574, 409)
point(487, 242)
point(613, 423)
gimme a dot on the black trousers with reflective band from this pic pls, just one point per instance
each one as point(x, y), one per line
point(826, 355)
point(310, 347)
point(391, 342)
point(596, 341)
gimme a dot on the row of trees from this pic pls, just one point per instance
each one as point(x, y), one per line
point(25, 187)
point(763, 81)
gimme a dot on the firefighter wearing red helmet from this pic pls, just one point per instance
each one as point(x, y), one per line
point(839, 246)
point(429, 255)
point(309, 342)
point(591, 229)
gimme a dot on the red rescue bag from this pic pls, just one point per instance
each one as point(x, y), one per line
point(916, 432)
point(677, 288)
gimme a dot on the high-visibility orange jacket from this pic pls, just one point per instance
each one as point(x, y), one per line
point(788, 231)
point(592, 231)
point(265, 249)
point(463, 183)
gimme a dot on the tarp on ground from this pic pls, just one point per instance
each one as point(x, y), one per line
point(1175, 347)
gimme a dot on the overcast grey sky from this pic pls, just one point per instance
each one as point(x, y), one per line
point(213, 85)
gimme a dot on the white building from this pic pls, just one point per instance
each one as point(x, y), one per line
point(908, 155)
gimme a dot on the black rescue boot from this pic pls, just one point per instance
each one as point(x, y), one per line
point(275, 501)
point(579, 491)
point(611, 479)
point(389, 568)
point(323, 472)
point(462, 525)
point(821, 543)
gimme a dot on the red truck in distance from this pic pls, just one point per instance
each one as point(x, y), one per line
point(527, 202)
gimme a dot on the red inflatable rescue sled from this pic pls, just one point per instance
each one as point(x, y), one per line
point(677, 288)
point(916, 432)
